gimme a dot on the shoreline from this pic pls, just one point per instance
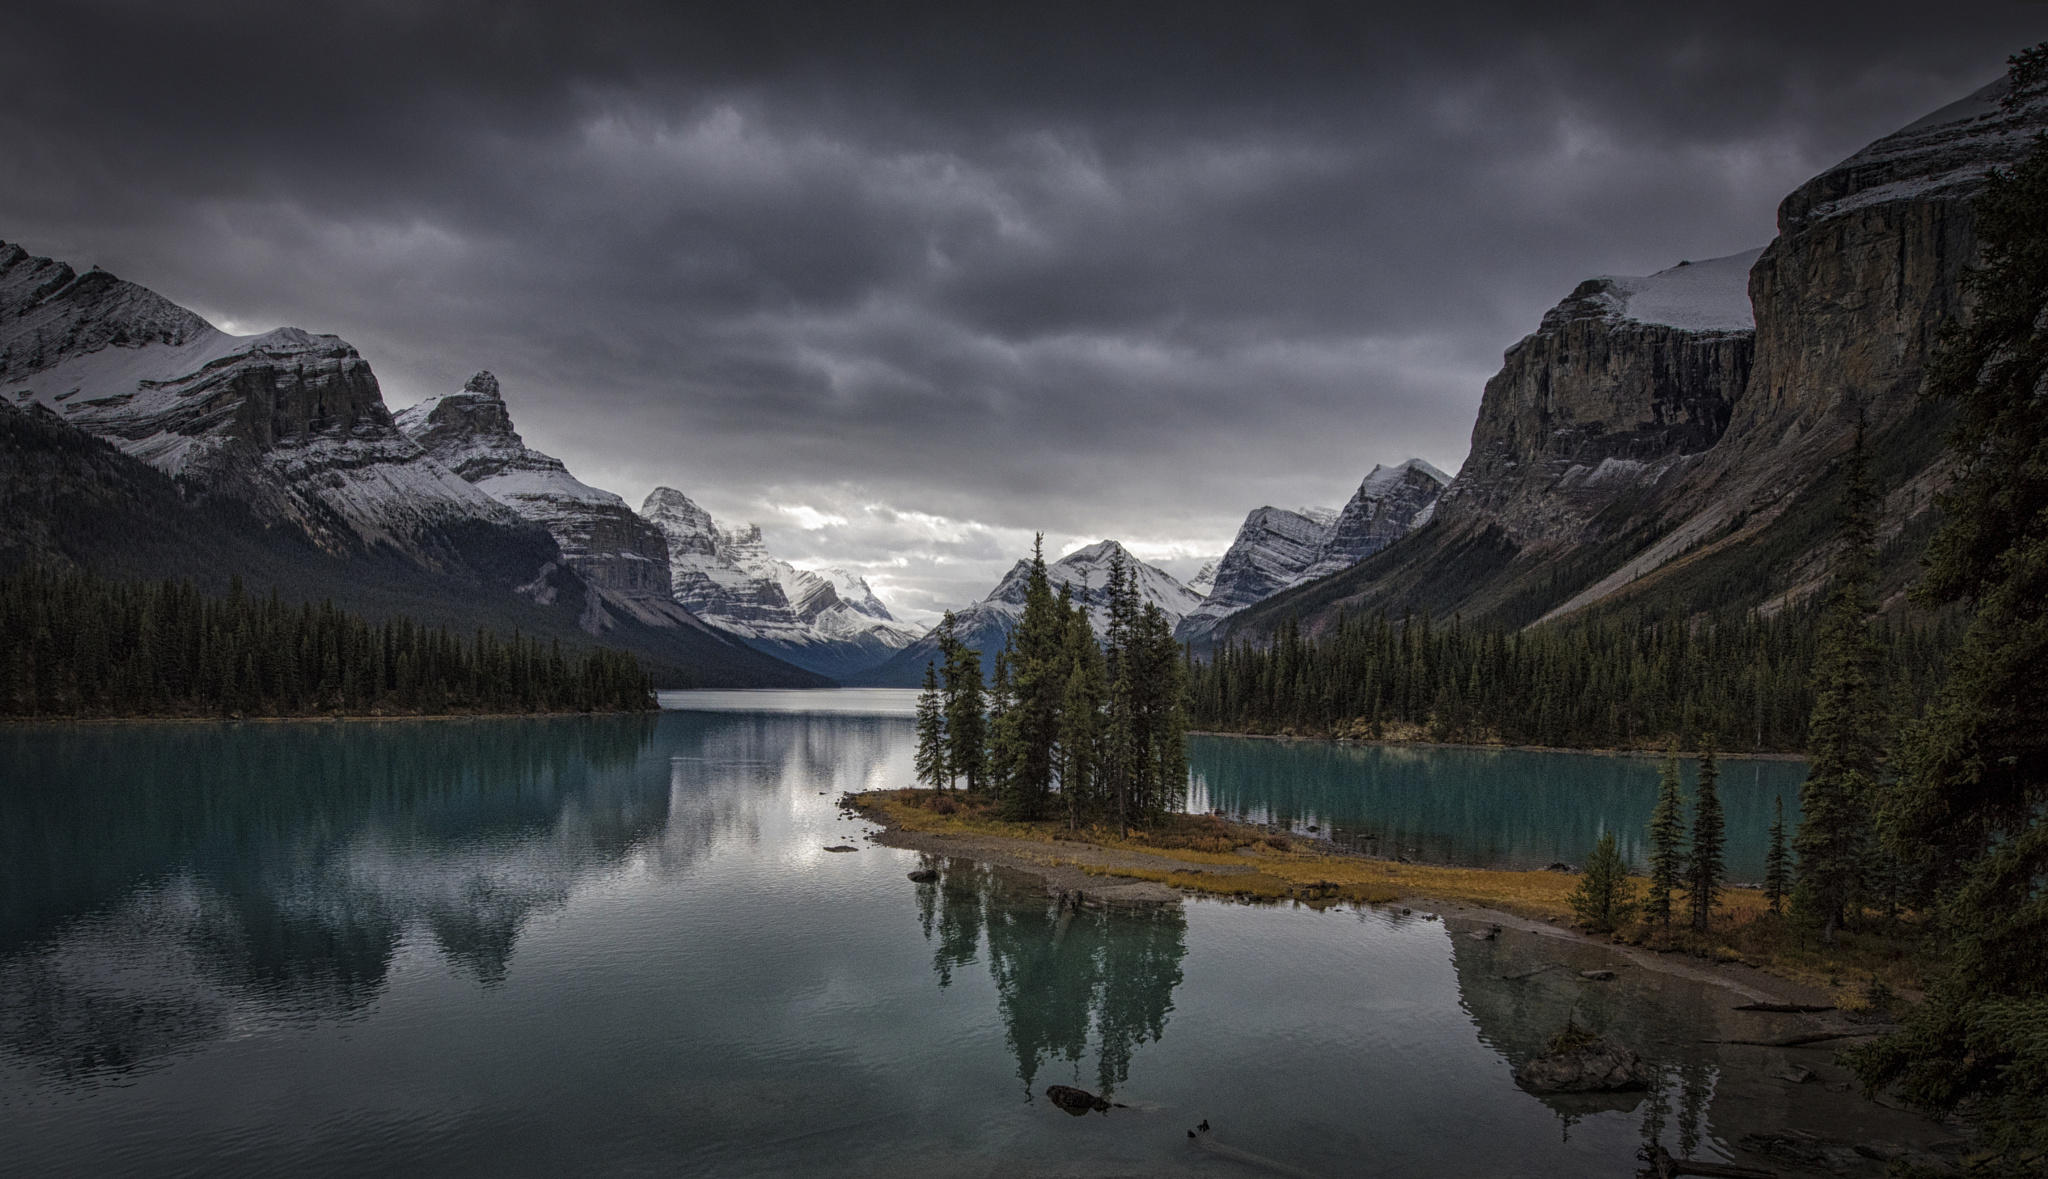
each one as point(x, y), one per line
point(1420, 744)
point(1082, 871)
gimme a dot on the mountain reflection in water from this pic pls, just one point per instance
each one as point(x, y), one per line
point(505, 947)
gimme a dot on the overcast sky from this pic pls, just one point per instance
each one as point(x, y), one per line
point(903, 286)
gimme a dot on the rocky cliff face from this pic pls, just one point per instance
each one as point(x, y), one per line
point(1625, 381)
point(1676, 435)
point(1849, 299)
point(827, 621)
point(290, 423)
point(1277, 549)
point(1273, 550)
point(1390, 503)
point(470, 432)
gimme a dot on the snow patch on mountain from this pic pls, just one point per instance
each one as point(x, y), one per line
point(1277, 549)
point(289, 421)
point(470, 432)
point(1708, 296)
point(827, 620)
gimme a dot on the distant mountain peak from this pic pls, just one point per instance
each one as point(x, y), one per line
point(828, 621)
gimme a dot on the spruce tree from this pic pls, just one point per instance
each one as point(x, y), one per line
point(1837, 801)
point(1667, 843)
point(1603, 900)
point(1706, 865)
point(965, 709)
point(931, 732)
point(1777, 862)
point(1971, 804)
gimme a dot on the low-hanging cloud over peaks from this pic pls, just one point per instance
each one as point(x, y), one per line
point(906, 284)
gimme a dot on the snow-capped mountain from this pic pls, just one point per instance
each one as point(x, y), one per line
point(987, 623)
point(284, 453)
point(1276, 549)
point(288, 422)
point(1666, 437)
point(828, 620)
point(1204, 580)
point(1390, 503)
point(470, 432)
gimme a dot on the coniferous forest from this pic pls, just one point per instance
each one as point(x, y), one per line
point(77, 645)
point(1626, 679)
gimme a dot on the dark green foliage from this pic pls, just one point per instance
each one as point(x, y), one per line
point(1621, 680)
point(1667, 843)
point(1035, 675)
point(1970, 807)
point(1777, 862)
point(1836, 802)
point(1706, 864)
point(965, 707)
point(1097, 731)
point(72, 644)
point(931, 764)
point(1604, 899)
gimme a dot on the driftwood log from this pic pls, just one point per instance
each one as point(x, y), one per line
point(1788, 1008)
point(1663, 1166)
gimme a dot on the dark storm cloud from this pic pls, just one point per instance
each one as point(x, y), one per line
point(906, 283)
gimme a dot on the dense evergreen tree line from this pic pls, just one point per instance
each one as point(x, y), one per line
point(1622, 679)
point(1069, 726)
point(74, 644)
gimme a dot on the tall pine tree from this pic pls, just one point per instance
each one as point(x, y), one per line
point(1839, 796)
point(931, 733)
point(1706, 864)
point(1667, 843)
point(1777, 862)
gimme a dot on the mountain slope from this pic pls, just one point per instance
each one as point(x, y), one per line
point(1277, 549)
point(827, 620)
point(280, 453)
point(1644, 443)
point(71, 499)
point(986, 624)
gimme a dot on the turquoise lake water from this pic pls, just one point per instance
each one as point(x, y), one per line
point(617, 945)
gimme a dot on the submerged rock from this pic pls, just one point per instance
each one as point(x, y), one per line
point(1076, 1101)
point(925, 875)
point(1590, 1065)
point(842, 847)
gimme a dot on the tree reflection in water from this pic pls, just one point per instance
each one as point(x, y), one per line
point(1065, 979)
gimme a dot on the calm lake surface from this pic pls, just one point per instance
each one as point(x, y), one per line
point(617, 945)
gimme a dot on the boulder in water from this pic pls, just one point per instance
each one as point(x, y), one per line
point(1580, 1062)
point(1076, 1101)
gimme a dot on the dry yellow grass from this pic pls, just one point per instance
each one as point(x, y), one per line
point(1228, 859)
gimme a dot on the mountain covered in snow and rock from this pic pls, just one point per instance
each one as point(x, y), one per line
point(276, 451)
point(1278, 548)
point(1676, 440)
point(470, 432)
point(826, 620)
point(986, 624)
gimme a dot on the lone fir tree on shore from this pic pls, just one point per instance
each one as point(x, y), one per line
point(1667, 842)
point(1706, 866)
